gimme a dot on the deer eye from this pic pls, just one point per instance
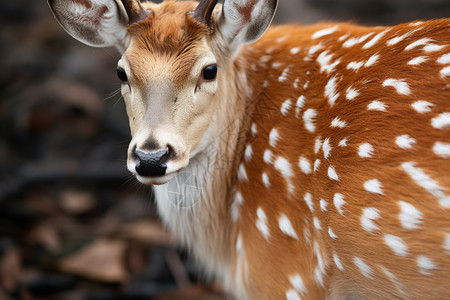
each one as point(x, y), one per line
point(122, 74)
point(210, 72)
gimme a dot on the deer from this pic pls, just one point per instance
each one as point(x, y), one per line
point(317, 156)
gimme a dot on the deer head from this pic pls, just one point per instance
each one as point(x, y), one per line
point(175, 57)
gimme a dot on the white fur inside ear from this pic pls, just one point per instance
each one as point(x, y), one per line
point(245, 21)
point(97, 23)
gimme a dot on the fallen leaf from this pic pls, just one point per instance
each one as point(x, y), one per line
point(10, 269)
point(76, 202)
point(102, 260)
point(45, 235)
point(147, 232)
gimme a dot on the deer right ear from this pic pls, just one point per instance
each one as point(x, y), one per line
point(97, 23)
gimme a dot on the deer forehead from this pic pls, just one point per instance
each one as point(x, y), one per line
point(168, 44)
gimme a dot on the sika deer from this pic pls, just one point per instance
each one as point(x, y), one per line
point(321, 153)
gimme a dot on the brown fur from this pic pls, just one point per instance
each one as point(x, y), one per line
point(271, 262)
point(242, 242)
point(169, 33)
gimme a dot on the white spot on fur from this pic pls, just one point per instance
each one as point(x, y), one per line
point(320, 270)
point(284, 76)
point(331, 233)
point(444, 59)
point(304, 165)
point(309, 202)
point(374, 186)
point(332, 173)
point(397, 39)
point(354, 41)
point(292, 295)
point(314, 49)
point(426, 182)
point(284, 167)
point(261, 223)
point(295, 50)
point(285, 107)
point(286, 226)
point(442, 121)
point(324, 32)
point(377, 105)
point(324, 60)
point(422, 106)
point(316, 165)
point(363, 267)
point(372, 60)
point(242, 173)
point(409, 216)
point(355, 65)
point(343, 142)
point(277, 65)
point(297, 283)
point(339, 202)
point(274, 136)
point(446, 244)
point(351, 93)
point(308, 117)
point(425, 264)
point(394, 279)
point(248, 152)
point(365, 150)
point(323, 205)
point(331, 90)
point(338, 123)
point(405, 141)
point(254, 129)
point(235, 207)
point(265, 84)
point(264, 59)
point(445, 72)
point(326, 148)
point(400, 85)
point(417, 61)
point(296, 82)
point(268, 157)
point(367, 219)
point(396, 244)
point(316, 223)
point(374, 40)
point(343, 37)
point(299, 105)
point(442, 149)
point(433, 48)
point(265, 179)
point(418, 43)
point(317, 145)
point(239, 244)
point(337, 262)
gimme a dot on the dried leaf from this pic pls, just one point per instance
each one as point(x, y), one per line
point(102, 260)
point(10, 269)
point(147, 232)
point(76, 202)
point(45, 235)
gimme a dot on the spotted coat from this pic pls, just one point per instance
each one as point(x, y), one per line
point(344, 186)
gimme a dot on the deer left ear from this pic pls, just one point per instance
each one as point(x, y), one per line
point(97, 23)
point(245, 21)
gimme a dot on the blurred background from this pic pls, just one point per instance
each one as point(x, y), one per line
point(73, 224)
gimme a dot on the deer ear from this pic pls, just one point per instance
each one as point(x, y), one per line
point(97, 23)
point(245, 21)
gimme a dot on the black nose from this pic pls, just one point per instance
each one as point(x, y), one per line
point(151, 164)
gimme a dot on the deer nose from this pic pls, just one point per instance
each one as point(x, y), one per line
point(152, 163)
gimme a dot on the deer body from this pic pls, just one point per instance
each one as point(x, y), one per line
point(315, 166)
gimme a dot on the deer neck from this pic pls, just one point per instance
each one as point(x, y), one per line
point(195, 205)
